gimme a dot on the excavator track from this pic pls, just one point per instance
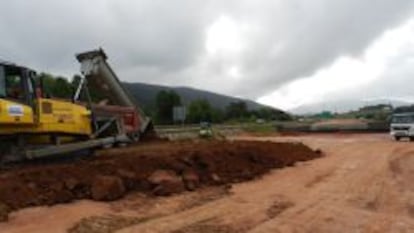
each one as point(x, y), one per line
point(16, 150)
point(11, 149)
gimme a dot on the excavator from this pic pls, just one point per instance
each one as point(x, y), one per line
point(35, 125)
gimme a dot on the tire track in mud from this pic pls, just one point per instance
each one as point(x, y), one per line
point(343, 200)
point(137, 209)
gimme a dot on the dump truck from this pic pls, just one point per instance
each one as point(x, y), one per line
point(402, 126)
point(34, 124)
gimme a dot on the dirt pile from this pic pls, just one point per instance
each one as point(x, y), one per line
point(4, 212)
point(160, 168)
point(107, 188)
point(165, 182)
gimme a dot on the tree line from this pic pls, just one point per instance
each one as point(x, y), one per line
point(201, 110)
point(162, 111)
point(61, 87)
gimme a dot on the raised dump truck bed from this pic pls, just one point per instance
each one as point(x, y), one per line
point(100, 77)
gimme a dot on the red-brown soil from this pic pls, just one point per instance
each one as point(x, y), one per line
point(363, 183)
point(158, 168)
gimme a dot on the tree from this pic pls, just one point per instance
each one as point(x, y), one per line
point(237, 110)
point(165, 102)
point(56, 86)
point(48, 82)
point(62, 88)
point(95, 95)
point(201, 110)
point(268, 113)
point(217, 115)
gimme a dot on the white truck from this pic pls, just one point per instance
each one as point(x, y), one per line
point(402, 126)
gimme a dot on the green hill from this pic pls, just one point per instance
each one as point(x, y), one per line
point(145, 95)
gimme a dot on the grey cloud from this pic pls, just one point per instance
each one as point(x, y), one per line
point(135, 33)
point(163, 41)
point(393, 86)
point(311, 34)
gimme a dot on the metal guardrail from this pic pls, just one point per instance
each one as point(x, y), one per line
point(194, 128)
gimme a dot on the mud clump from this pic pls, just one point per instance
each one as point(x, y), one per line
point(166, 182)
point(157, 168)
point(107, 188)
point(191, 179)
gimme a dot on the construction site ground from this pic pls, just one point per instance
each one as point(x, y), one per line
point(362, 183)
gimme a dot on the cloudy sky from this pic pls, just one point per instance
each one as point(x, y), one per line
point(298, 55)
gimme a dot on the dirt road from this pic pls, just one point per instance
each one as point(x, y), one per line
point(363, 184)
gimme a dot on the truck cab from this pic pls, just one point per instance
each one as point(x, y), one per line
point(402, 126)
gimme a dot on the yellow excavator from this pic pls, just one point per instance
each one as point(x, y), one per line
point(34, 125)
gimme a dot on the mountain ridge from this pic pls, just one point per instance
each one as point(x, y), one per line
point(346, 105)
point(146, 94)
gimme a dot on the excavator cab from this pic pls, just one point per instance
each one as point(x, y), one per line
point(17, 94)
point(17, 83)
point(29, 121)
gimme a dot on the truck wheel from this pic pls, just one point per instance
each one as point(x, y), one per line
point(397, 138)
point(411, 139)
